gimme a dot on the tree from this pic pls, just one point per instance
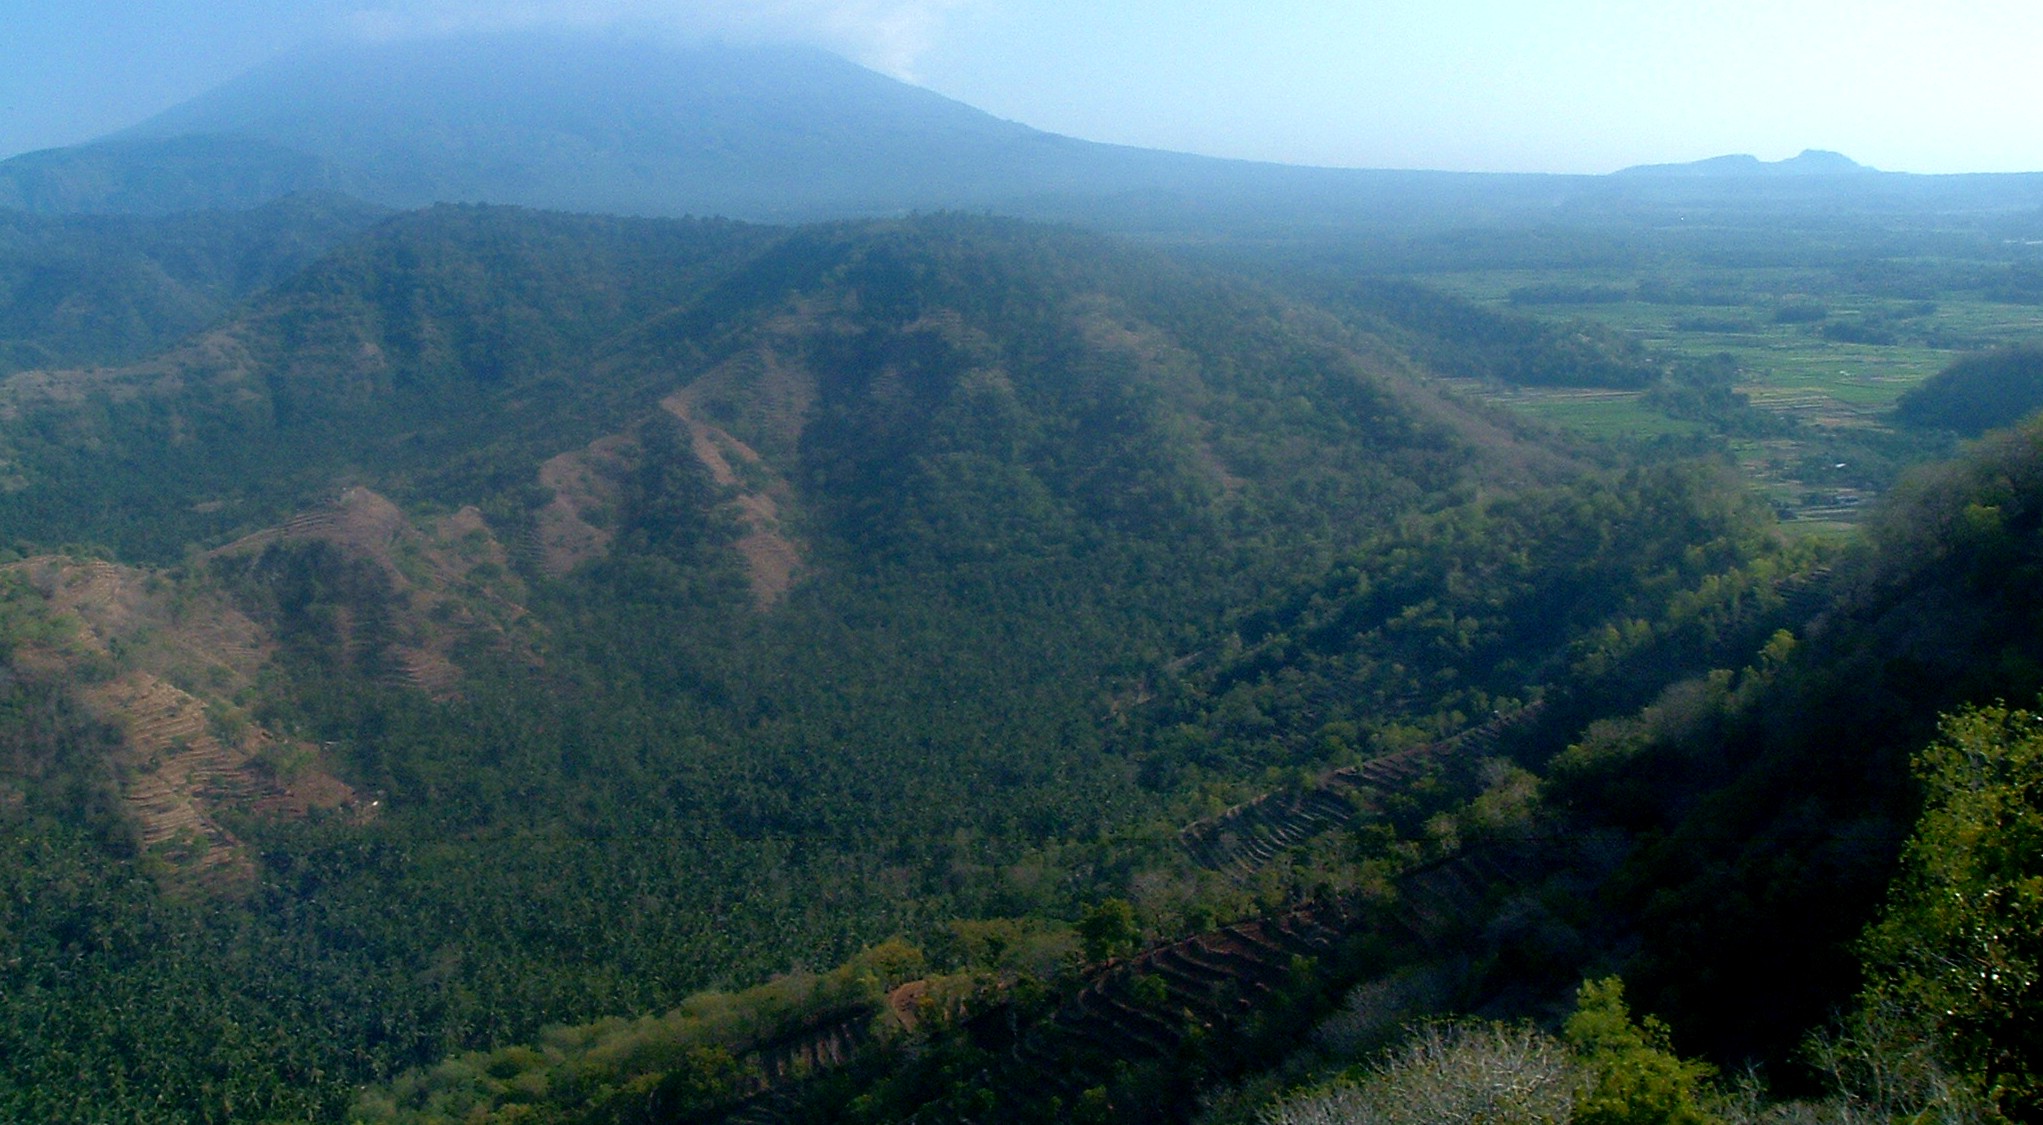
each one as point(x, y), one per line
point(1108, 930)
point(1637, 1077)
point(1960, 944)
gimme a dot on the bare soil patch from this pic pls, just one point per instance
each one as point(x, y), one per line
point(574, 526)
point(772, 560)
point(162, 661)
point(450, 577)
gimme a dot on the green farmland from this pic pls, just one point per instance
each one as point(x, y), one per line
point(1822, 352)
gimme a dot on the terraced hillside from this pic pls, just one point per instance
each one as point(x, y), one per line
point(174, 664)
point(1178, 1002)
point(1242, 839)
point(164, 663)
point(1179, 1008)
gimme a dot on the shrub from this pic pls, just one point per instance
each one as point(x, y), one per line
point(1448, 1073)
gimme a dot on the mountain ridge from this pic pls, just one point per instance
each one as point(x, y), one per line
point(782, 134)
point(582, 123)
point(1809, 162)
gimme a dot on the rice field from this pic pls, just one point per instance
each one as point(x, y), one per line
point(1840, 392)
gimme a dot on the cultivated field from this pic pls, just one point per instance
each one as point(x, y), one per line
point(1828, 349)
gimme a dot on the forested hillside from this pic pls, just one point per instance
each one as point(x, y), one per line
point(78, 290)
point(818, 558)
point(528, 666)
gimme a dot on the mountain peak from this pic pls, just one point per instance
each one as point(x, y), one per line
point(1817, 161)
point(1809, 162)
point(591, 123)
point(572, 122)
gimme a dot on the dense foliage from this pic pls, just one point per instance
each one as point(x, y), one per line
point(1978, 392)
point(1769, 802)
point(1080, 547)
point(1459, 337)
point(1616, 581)
point(1957, 948)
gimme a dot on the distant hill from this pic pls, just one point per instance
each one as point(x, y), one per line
point(90, 289)
point(1811, 162)
point(1812, 183)
point(1977, 392)
point(165, 175)
point(530, 334)
point(765, 133)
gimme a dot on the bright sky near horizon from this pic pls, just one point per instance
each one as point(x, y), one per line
point(1474, 85)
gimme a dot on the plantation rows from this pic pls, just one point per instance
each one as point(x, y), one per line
point(1243, 839)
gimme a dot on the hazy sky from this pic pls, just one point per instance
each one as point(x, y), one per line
point(1484, 85)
